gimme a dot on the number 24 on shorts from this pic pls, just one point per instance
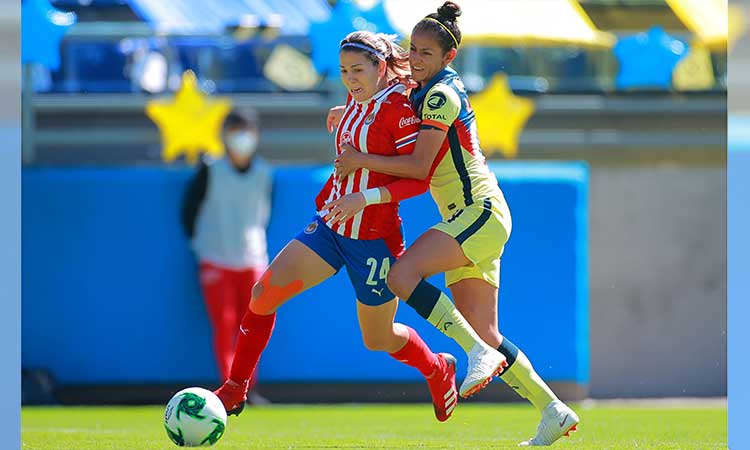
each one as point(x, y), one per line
point(385, 266)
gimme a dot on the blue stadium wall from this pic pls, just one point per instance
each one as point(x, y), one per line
point(110, 294)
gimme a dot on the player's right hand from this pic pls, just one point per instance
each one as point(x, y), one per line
point(334, 117)
point(343, 208)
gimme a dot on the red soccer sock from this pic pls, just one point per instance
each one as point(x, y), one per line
point(255, 331)
point(417, 354)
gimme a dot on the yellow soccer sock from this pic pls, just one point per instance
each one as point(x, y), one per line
point(521, 376)
point(432, 304)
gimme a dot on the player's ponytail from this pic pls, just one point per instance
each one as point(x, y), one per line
point(397, 59)
point(443, 25)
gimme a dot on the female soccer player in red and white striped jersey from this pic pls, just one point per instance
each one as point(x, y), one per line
point(379, 119)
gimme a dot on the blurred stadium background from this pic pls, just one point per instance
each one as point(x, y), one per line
point(615, 276)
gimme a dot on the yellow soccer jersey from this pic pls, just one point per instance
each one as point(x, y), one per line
point(459, 176)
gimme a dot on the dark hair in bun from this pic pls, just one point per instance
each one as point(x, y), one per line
point(449, 11)
point(443, 25)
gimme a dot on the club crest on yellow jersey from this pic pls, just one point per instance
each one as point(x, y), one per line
point(436, 100)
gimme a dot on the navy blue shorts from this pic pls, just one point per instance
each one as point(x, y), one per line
point(367, 261)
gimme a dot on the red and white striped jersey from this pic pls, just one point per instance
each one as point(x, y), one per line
point(384, 125)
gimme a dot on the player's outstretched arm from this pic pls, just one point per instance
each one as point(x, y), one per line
point(346, 207)
point(415, 165)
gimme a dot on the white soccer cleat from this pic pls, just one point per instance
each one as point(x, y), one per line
point(558, 420)
point(484, 363)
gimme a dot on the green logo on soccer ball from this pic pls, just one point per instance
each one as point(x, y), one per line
point(216, 434)
point(191, 405)
point(177, 438)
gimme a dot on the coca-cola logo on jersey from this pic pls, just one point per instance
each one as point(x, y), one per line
point(406, 121)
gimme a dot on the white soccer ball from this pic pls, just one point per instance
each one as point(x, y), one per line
point(195, 417)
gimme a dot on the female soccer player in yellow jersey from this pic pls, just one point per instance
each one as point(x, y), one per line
point(468, 243)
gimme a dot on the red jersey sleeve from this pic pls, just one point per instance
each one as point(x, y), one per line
point(406, 188)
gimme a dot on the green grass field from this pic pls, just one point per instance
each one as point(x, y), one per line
point(398, 427)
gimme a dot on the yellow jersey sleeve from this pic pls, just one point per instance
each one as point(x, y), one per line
point(441, 107)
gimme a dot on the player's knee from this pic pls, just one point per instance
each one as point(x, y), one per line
point(401, 281)
point(259, 301)
point(377, 342)
point(256, 292)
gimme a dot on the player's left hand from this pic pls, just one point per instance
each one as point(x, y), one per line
point(344, 208)
point(348, 161)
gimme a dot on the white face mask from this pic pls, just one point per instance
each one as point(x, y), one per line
point(242, 143)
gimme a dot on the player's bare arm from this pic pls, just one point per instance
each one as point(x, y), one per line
point(415, 165)
point(334, 117)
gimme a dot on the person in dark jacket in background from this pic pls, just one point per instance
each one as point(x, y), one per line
point(225, 214)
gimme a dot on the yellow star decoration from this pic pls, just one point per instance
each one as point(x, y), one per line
point(694, 72)
point(501, 116)
point(190, 122)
